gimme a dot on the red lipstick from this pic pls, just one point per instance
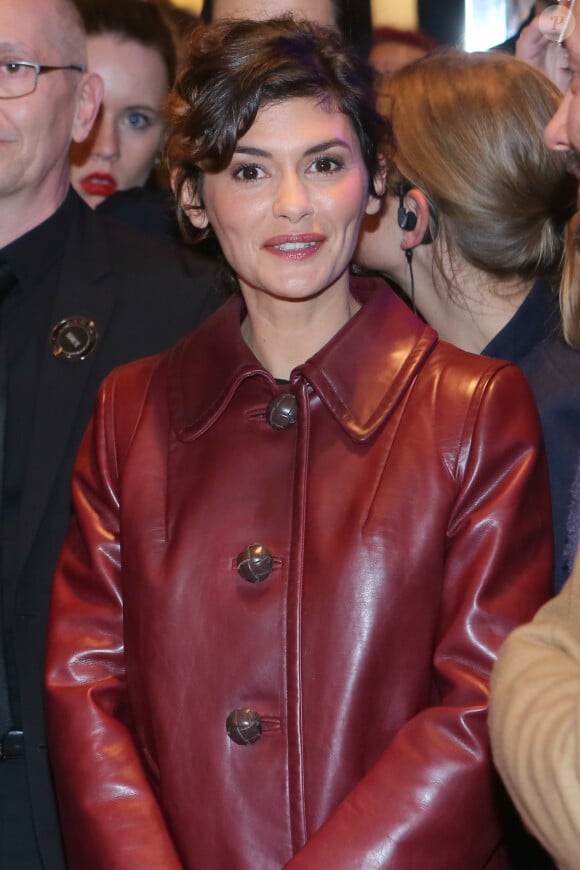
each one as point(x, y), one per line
point(99, 184)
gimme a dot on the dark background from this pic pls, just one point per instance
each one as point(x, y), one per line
point(444, 20)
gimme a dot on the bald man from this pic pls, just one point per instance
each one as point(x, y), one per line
point(81, 296)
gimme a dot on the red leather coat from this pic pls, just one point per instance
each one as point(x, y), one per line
point(400, 498)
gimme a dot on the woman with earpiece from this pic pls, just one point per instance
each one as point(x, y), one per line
point(473, 229)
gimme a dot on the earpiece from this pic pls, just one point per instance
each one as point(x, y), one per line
point(406, 219)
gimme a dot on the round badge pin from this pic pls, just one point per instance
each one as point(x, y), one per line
point(557, 22)
point(73, 338)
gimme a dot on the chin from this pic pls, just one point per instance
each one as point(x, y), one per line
point(90, 199)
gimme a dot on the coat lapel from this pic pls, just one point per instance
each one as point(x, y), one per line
point(62, 383)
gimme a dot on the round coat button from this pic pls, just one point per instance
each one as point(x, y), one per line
point(282, 411)
point(244, 726)
point(255, 563)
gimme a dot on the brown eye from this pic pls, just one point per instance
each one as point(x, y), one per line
point(249, 172)
point(327, 165)
point(13, 68)
point(324, 164)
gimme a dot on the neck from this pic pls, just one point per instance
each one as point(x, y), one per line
point(24, 210)
point(282, 333)
point(472, 316)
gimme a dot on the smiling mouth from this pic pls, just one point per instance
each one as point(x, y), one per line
point(295, 246)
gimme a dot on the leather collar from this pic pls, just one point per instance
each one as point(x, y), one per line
point(360, 375)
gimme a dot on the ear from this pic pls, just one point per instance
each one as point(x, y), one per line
point(416, 201)
point(89, 98)
point(192, 205)
point(375, 203)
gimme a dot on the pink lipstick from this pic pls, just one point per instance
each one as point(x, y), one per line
point(294, 247)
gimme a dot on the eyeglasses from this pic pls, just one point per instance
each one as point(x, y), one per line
point(18, 78)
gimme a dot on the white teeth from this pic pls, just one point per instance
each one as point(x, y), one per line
point(294, 246)
point(104, 182)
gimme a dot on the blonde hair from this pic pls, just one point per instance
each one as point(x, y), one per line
point(569, 297)
point(468, 131)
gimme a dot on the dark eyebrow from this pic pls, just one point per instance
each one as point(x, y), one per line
point(326, 146)
point(316, 149)
point(254, 152)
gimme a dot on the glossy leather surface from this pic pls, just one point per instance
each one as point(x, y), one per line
point(407, 514)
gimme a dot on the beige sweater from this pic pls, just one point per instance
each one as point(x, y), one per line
point(535, 722)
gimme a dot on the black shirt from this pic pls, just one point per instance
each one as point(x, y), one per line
point(533, 340)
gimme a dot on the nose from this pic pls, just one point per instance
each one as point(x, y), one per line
point(106, 139)
point(292, 200)
point(556, 132)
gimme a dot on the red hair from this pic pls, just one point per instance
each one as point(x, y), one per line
point(408, 37)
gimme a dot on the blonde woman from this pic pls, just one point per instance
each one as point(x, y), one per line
point(473, 228)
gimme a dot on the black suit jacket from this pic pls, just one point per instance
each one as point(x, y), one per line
point(142, 294)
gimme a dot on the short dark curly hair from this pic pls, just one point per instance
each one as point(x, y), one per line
point(235, 68)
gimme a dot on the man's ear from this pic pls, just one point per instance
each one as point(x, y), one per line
point(374, 203)
point(89, 99)
point(416, 202)
point(192, 205)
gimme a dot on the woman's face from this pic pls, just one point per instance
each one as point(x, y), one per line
point(288, 208)
point(128, 133)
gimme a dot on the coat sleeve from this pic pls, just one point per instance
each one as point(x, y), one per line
point(430, 801)
point(535, 722)
point(100, 779)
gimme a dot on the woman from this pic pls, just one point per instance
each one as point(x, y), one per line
point(130, 46)
point(473, 230)
point(302, 535)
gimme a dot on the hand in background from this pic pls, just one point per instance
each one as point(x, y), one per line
point(534, 47)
